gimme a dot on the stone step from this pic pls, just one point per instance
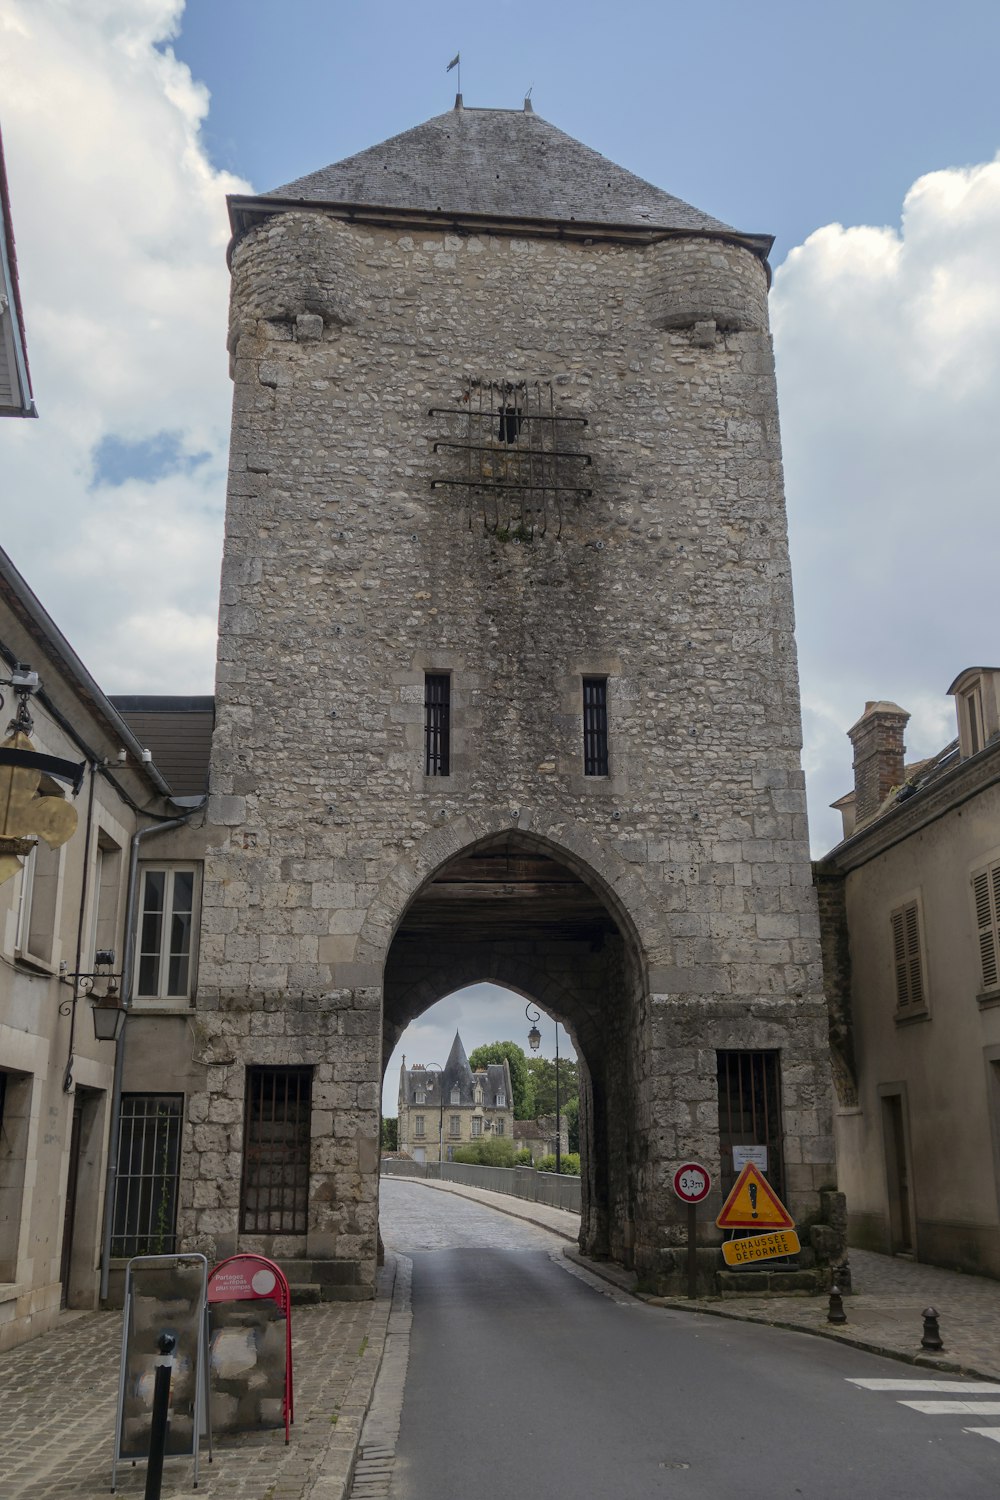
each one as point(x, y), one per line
point(303, 1292)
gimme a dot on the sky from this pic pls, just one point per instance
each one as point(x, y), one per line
point(864, 136)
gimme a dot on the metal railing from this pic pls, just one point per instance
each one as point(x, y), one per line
point(149, 1141)
point(554, 1190)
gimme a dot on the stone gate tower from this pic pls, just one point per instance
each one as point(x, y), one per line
point(506, 685)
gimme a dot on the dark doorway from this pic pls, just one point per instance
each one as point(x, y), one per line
point(897, 1175)
point(69, 1211)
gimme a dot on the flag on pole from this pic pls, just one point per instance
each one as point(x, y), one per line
point(454, 62)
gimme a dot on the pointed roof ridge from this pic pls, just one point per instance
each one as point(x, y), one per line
point(494, 165)
point(458, 1059)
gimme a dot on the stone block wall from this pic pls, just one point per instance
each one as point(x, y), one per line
point(346, 577)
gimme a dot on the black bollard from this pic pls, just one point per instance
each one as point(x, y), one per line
point(166, 1344)
point(836, 1313)
point(932, 1333)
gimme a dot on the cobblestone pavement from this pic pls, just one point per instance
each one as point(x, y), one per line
point(58, 1395)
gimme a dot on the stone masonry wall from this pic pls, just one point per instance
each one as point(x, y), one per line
point(346, 577)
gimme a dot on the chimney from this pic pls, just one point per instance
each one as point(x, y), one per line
point(877, 738)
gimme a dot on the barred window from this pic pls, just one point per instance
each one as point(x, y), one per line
point(906, 957)
point(149, 1150)
point(595, 726)
point(437, 724)
point(276, 1151)
point(749, 1085)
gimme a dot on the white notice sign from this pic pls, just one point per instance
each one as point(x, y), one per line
point(755, 1154)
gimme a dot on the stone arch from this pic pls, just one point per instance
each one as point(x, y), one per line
point(620, 887)
point(516, 906)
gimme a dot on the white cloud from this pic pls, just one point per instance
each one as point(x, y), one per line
point(121, 232)
point(888, 350)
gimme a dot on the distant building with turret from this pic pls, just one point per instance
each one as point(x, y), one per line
point(441, 1110)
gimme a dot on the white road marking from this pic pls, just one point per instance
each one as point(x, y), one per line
point(960, 1387)
point(952, 1408)
point(990, 1432)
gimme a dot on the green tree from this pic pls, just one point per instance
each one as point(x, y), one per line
point(520, 1078)
point(543, 1072)
point(390, 1134)
point(572, 1113)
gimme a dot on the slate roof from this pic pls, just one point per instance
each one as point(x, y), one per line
point(497, 164)
point(457, 1074)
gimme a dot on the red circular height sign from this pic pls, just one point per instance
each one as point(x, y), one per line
point(692, 1182)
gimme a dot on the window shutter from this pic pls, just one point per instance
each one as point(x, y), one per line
point(986, 889)
point(906, 956)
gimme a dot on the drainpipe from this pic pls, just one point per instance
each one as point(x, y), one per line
point(128, 968)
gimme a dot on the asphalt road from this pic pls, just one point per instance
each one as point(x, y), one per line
point(528, 1379)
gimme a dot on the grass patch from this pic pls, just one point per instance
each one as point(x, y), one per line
point(364, 1346)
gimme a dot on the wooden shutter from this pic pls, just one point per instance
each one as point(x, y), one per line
point(986, 889)
point(906, 956)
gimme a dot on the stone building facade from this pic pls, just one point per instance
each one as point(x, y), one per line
point(506, 685)
point(910, 912)
point(442, 1109)
point(62, 905)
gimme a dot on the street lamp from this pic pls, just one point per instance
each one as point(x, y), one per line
point(534, 1042)
point(437, 1068)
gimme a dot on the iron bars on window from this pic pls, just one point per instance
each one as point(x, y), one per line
point(595, 726)
point(275, 1197)
point(750, 1112)
point(437, 724)
point(512, 454)
point(149, 1142)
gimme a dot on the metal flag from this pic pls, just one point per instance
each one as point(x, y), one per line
point(454, 62)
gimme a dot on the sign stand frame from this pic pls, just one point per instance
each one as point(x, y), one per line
point(202, 1395)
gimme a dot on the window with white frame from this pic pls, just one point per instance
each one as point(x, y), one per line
point(501, 1101)
point(418, 1124)
point(456, 1096)
point(420, 1097)
point(454, 1125)
point(38, 910)
point(498, 1126)
point(986, 894)
point(166, 932)
point(477, 1125)
point(907, 960)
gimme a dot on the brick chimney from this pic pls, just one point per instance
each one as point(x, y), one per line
point(877, 738)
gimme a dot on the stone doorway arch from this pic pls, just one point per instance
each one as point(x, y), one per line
point(517, 909)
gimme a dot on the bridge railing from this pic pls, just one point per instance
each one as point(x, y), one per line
point(555, 1190)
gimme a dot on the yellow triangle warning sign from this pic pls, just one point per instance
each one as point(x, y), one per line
point(753, 1204)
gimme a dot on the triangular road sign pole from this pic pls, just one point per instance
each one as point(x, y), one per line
point(753, 1204)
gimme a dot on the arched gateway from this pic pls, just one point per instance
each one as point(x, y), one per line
point(506, 686)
